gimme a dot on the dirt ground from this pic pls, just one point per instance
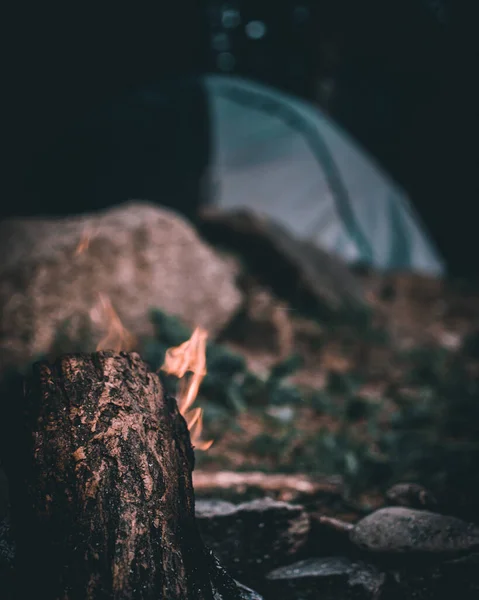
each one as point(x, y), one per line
point(412, 316)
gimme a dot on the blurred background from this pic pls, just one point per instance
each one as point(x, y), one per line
point(318, 159)
point(398, 77)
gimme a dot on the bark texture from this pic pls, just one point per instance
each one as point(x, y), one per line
point(99, 463)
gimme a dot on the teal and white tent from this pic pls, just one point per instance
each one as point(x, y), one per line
point(283, 158)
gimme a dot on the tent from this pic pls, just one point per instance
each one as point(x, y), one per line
point(262, 150)
point(285, 159)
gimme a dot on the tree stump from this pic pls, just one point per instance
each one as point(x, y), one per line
point(99, 463)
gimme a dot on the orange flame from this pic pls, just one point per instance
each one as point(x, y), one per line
point(117, 337)
point(189, 358)
point(84, 243)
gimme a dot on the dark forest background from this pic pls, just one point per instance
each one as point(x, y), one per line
point(399, 76)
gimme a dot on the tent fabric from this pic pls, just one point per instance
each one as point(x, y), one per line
point(283, 158)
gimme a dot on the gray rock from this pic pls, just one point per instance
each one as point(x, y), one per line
point(209, 509)
point(400, 530)
point(331, 578)
point(252, 538)
point(140, 256)
point(411, 495)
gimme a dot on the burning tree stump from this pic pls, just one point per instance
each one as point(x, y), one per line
point(99, 462)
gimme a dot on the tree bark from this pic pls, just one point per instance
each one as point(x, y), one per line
point(99, 462)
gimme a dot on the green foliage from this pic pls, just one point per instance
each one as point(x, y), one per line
point(425, 428)
point(429, 434)
point(276, 390)
point(228, 383)
point(285, 368)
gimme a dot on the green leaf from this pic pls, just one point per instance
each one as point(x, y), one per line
point(170, 330)
point(285, 368)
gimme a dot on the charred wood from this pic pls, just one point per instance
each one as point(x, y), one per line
point(99, 463)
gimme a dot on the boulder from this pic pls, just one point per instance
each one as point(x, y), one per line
point(405, 530)
point(137, 255)
point(346, 578)
point(411, 495)
point(329, 578)
point(252, 538)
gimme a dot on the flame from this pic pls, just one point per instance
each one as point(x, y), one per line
point(117, 337)
point(84, 242)
point(103, 314)
point(188, 362)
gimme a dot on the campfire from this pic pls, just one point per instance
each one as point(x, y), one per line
point(117, 337)
point(108, 505)
point(107, 509)
point(188, 362)
point(100, 457)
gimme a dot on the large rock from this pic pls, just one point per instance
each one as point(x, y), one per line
point(402, 530)
point(138, 255)
point(331, 578)
point(411, 495)
point(252, 538)
point(344, 578)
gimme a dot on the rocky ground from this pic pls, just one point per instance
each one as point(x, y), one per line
point(292, 551)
